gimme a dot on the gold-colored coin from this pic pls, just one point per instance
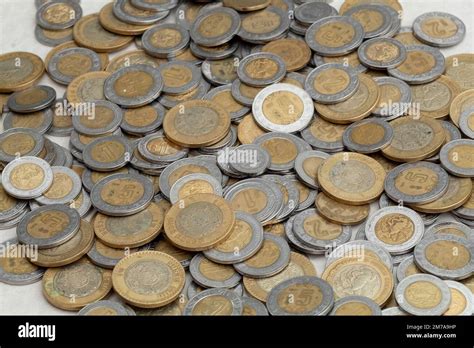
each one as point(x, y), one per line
point(295, 53)
point(341, 213)
point(434, 99)
point(104, 57)
point(196, 123)
point(460, 68)
point(246, 5)
point(299, 265)
point(111, 23)
point(348, 4)
point(352, 276)
point(352, 178)
point(458, 193)
point(134, 58)
point(68, 252)
point(76, 285)
point(19, 70)
point(458, 304)
point(407, 38)
point(90, 34)
point(357, 107)
point(129, 231)
point(87, 87)
point(461, 103)
point(276, 229)
point(248, 130)
point(148, 279)
point(199, 222)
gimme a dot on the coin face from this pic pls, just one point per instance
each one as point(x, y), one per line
point(31, 100)
point(165, 40)
point(368, 136)
point(65, 188)
point(450, 228)
point(70, 63)
point(143, 120)
point(261, 69)
point(214, 302)
point(356, 305)
point(193, 184)
point(107, 153)
point(58, 15)
point(439, 29)
point(215, 27)
point(295, 53)
point(111, 23)
point(128, 13)
point(52, 38)
point(466, 123)
point(381, 53)
point(131, 279)
point(247, 5)
point(264, 26)
point(133, 58)
point(456, 157)
point(16, 76)
point(459, 67)
point(88, 87)
point(339, 212)
point(460, 104)
point(324, 135)
point(375, 19)
point(179, 77)
point(351, 178)
point(461, 299)
point(210, 274)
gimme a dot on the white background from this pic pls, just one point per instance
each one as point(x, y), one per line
point(17, 23)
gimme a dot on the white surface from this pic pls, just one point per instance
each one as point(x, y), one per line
point(17, 23)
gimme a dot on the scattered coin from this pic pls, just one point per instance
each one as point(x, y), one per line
point(375, 19)
point(462, 302)
point(111, 23)
point(65, 188)
point(459, 67)
point(356, 305)
point(31, 100)
point(466, 122)
point(341, 213)
point(450, 30)
point(214, 302)
point(261, 69)
point(15, 269)
point(456, 157)
point(107, 153)
point(165, 40)
point(105, 308)
point(19, 70)
point(261, 27)
point(213, 275)
point(126, 12)
point(450, 228)
point(143, 120)
point(370, 53)
point(215, 27)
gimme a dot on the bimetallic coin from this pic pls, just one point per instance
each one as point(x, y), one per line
point(466, 122)
point(107, 257)
point(143, 120)
point(310, 12)
point(382, 53)
point(214, 302)
point(134, 86)
point(20, 142)
point(356, 305)
point(111, 23)
point(52, 38)
point(264, 26)
point(158, 149)
point(335, 36)
point(350, 60)
point(65, 188)
point(324, 135)
point(466, 211)
point(460, 68)
point(306, 195)
point(375, 19)
point(209, 274)
point(222, 95)
point(48, 226)
point(15, 269)
point(10, 207)
point(155, 5)
point(261, 69)
point(415, 73)
point(439, 29)
point(214, 53)
point(58, 15)
point(407, 268)
point(215, 27)
point(107, 153)
point(253, 307)
point(244, 241)
point(285, 298)
point(88, 87)
point(395, 98)
point(63, 67)
point(446, 256)
point(105, 308)
point(423, 294)
point(291, 197)
point(106, 118)
point(456, 157)
point(39, 121)
point(179, 77)
point(31, 100)
point(126, 12)
point(451, 228)
point(306, 166)
point(221, 72)
point(16, 76)
point(295, 53)
point(165, 40)
point(341, 213)
point(133, 58)
point(368, 136)
point(246, 5)
point(192, 184)
point(462, 300)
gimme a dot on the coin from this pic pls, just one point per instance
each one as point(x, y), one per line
point(462, 302)
point(407, 268)
point(306, 166)
point(107, 257)
point(406, 37)
point(134, 86)
point(462, 102)
point(164, 246)
point(64, 67)
point(213, 275)
point(341, 213)
point(155, 5)
point(310, 12)
point(65, 188)
point(143, 120)
point(122, 194)
point(52, 38)
point(88, 87)
point(382, 53)
point(15, 269)
point(193, 184)
point(368, 136)
point(111, 23)
point(361, 249)
point(165, 40)
point(459, 67)
point(131, 279)
point(213, 53)
point(106, 119)
point(223, 96)
point(467, 209)
point(31, 100)
point(58, 15)
point(215, 27)
point(446, 256)
point(439, 29)
point(10, 207)
point(423, 294)
point(253, 307)
point(248, 130)
point(196, 123)
point(261, 69)
point(466, 122)
point(356, 107)
point(126, 12)
point(107, 153)
point(222, 71)
point(244, 94)
point(375, 19)
point(456, 157)
point(179, 77)
point(263, 26)
point(214, 302)
point(133, 58)
point(324, 135)
point(157, 148)
point(356, 305)
point(334, 36)
point(105, 308)
point(19, 70)
point(451, 228)
point(414, 139)
point(285, 298)
point(295, 53)
point(39, 121)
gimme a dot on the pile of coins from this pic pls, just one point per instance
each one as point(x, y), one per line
point(242, 139)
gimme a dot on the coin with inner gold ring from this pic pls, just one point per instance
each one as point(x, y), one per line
point(133, 58)
point(15, 268)
point(261, 69)
point(341, 213)
point(439, 29)
point(107, 153)
point(356, 305)
point(210, 274)
point(65, 188)
point(462, 302)
point(22, 142)
point(111, 23)
point(215, 27)
point(462, 102)
point(457, 157)
point(348, 4)
point(214, 302)
point(179, 77)
point(88, 87)
point(19, 70)
point(295, 53)
point(32, 99)
point(460, 68)
point(165, 40)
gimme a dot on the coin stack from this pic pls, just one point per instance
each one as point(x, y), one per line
point(241, 141)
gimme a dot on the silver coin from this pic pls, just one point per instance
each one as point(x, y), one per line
point(360, 249)
point(249, 159)
point(106, 159)
point(465, 121)
point(388, 110)
point(79, 142)
point(226, 70)
point(122, 209)
point(122, 10)
point(459, 249)
point(453, 131)
point(202, 280)
point(204, 35)
point(49, 41)
point(12, 247)
point(312, 241)
point(175, 193)
point(76, 153)
point(135, 100)
point(335, 50)
point(29, 167)
point(311, 12)
point(97, 126)
point(394, 311)
point(11, 210)
point(465, 212)
point(256, 81)
point(290, 191)
point(231, 298)
point(44, 13)
point(384, 26)
point(467, 222)
point(281, 261)
point(467, 295)
point(403, 267)
point(246, 251)
point(270, 31)
point(12, 139)
point(446, 19)
point(158, 117)
point(214, 53)
point(165, 51)
point(253, 306)
point(28, 227)
point(448, 159)
point(417, 79)
point(439, 187)
point(111, 307)
point(104, 261)
point(156, 6)
point(434, 282)
point(223, 164)
point(56, 73)
point(295, 242)
point(10, 119)
point(66, 177)
point(152, 152)
point(448, 227)
point(309, 201)
point(300, 119)
point(50, 151)
point(307, 283)
point(48, 97)
point(170, 101)
point(381, 62)
point(384, 141)
point(234, 114)
point(172, 69)
point(410, 238)
point(361, 301)
point(339, 95)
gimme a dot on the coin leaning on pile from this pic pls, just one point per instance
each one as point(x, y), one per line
point(210, 165)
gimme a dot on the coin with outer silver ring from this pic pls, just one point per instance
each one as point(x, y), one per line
point(404, 266)
point(206, 298)
point(171, 68)
point(249, 159)
point(312, 11)
point(304, 163)
point(412, 286)
point(186, 182)
point(104, 307)
point(466, 122)
point(46, 117)
point(290, 193)
point(384, 138)
point(74, 13)
point(295, 242)
point(426, 19)
point(300, 288)
point(389, 109)
point(256, 62)
point(309, 201)
point(260, 33)
point(138, 17)
point(253, 306)
point(374, 61)
point(468, 298)
point(227, 50)
point(356, 305)
point(197, 270)
point(58, 76)
point(159, 142)
point(91, 125)
point(107, 154)
point(386, 223)
point(43, 97)
point(139, 129)
point(12, 210)
point(9, 140)
point(451, 228)
point(235, 114)
point(67, 187)
point(380, 26)
point(449, 156)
